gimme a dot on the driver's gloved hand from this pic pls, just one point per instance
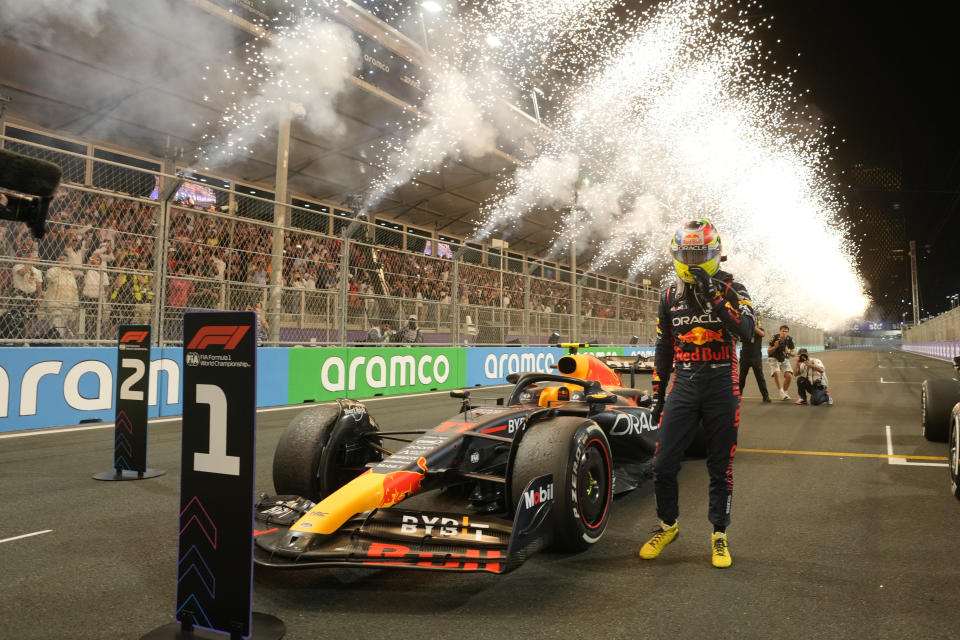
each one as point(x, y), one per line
point(656, 410)
point(703, 283)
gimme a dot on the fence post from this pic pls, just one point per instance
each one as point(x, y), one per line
point(341, 319)
point(170, 188)
point(525, 313)
point(280, 222)
point(455, 302)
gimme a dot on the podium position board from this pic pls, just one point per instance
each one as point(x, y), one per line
point(130, 418)
point(215, 560)
point(133, 367)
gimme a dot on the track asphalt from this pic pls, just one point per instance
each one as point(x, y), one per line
point(831, 538)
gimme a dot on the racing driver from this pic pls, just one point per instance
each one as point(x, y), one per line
point(701, 317)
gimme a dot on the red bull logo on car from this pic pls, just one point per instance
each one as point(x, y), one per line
point(397, 485)
point(701, 335)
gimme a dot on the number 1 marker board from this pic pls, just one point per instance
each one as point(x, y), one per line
point(215, 559)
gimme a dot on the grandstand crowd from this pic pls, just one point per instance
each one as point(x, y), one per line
point(96, 267)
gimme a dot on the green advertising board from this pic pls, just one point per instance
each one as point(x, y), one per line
point(325, 373)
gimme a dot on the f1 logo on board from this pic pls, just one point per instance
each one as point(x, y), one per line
point(226, 336)
point(533, 497)
point(134, 336)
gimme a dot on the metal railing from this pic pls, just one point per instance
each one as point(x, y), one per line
point(125, 244)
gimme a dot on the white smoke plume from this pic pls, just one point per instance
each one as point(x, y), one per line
point(680, 122)
point(297, 73)
point(488, 53)
point(42, 16)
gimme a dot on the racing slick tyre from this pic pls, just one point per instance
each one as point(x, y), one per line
point(953, 456)
point(320, 451)
point(937, 398)
point(577, 453)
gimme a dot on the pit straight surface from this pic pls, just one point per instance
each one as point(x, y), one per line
point(843, 527)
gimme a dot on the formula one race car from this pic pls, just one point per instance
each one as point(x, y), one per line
point(480, 491)
point(940, 418)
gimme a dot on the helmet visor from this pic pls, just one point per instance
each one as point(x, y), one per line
point(695, 254)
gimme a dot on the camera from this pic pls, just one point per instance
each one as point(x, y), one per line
point(803, 357)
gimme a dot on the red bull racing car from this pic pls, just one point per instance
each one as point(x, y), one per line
point(478, 492)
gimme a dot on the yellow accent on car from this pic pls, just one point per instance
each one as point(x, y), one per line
point(361, 494)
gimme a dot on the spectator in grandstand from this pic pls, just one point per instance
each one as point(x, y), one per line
point(75, 252)
point(263, 327)
point(310, 278)
point(27, 284)
point(206, 292)
point(219, 266)
point(132, 293)
point(96, 289)
point(296, 279)
point(105, 251)
point(409, 333)
point(379, 335)
point(257, 273)
point(61, 300)
point(7, 244)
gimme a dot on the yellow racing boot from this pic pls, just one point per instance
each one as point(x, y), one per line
point(662, 536)
point(721, 552)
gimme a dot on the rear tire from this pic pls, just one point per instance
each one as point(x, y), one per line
point(953, 457)
point(937, 398)
point(576, 452)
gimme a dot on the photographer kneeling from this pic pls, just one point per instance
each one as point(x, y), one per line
point(812, 379)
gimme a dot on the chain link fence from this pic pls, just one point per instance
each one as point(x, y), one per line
point(130, 244)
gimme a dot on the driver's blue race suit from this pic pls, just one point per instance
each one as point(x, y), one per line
point(698, 339)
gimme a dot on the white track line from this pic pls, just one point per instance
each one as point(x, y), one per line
point(882, 381)
point(904, 461)
point(26, 535)
point(289, 407)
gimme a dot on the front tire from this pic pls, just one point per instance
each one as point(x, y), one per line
point(320, 451)
point(576, 452)
point(937, 398)
point(953, 457)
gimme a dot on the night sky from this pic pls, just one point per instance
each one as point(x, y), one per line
point(883, 73)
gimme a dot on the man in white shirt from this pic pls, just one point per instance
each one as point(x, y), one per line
point(812, 379)
point(27, 285)
point(60, 301)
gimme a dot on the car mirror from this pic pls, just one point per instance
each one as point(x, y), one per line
point(460, 393)
point(513, 377)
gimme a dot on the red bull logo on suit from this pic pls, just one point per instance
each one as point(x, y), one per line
point(701, 335)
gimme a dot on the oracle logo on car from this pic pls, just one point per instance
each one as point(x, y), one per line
point(225, 336)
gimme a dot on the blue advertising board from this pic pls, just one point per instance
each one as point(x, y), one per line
point(491, 365)
point(44, 387)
